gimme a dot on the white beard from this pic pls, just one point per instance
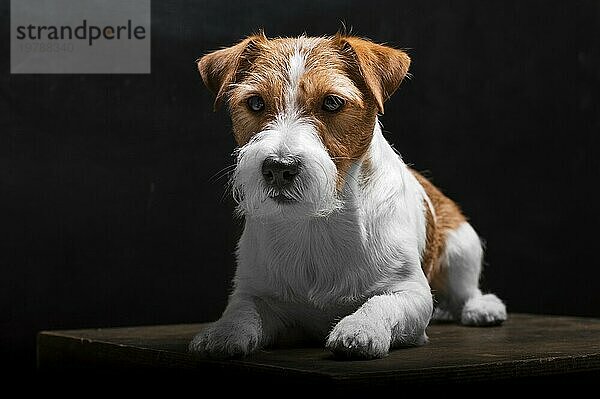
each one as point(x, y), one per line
point(314, 189)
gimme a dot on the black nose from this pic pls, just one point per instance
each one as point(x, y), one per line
point(280, 172)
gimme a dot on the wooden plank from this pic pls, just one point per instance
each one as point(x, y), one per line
point(525, 346)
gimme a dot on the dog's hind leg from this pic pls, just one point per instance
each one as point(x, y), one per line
point(461, 299)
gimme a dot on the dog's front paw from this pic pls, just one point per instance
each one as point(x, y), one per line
point(225, 340)
point(358, 337)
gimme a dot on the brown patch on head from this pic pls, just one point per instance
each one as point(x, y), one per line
point(219, 69)
point(362, 73)
point(448, 217)
point(382, 68)
point(347, 133)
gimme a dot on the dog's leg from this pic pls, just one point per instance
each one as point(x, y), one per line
point(462, 299)
point(243, 328)
point(384, 321)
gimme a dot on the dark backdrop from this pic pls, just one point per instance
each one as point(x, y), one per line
point(111, 213)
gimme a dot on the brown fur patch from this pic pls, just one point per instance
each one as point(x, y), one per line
point(219, 69)
point(381, 67)
point(448, 216)
point(346, 134)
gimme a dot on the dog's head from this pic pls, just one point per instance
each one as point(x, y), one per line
point(303, 111)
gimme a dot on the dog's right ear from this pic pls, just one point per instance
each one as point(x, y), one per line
point(219, 68)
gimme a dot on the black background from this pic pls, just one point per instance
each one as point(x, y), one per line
point(111, 213)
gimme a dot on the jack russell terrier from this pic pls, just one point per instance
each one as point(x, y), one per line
point(342, 241)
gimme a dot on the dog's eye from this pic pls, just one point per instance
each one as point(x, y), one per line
point(333, 103)
point(256, 103)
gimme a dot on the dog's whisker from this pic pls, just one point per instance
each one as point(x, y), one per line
point(343, 158)
point(222, 173)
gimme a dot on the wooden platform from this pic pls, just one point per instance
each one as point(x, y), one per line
point(525, 347)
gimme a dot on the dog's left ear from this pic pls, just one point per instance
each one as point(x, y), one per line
point(381, 67)
point(219, 68)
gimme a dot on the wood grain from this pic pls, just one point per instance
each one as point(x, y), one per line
point(525, 346)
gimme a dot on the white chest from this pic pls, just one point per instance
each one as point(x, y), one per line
point(326, 262)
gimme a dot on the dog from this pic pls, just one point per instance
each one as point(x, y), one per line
point(342, 242)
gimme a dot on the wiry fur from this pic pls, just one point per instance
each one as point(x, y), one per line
point(348, 261)
point(315, 192)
